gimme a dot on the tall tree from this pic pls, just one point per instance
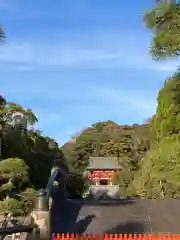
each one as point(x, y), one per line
point(21, 140)
point(166, 122)
point(164, 20)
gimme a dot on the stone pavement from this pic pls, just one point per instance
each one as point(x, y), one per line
point(117, 216)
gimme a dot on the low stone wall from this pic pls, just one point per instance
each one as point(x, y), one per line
point(109, 190)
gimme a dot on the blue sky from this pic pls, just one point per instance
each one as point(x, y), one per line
point(76, 62)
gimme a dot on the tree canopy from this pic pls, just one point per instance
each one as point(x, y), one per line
point(158, 173)
point(166, 122)
point(127, 143)
point(164, 20)
point(24, 152)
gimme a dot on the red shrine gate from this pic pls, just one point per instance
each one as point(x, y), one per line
point(101, 170)
point(103, 177)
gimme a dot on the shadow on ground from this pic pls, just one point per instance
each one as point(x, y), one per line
point(65, 212)
point(64, 215)
point(128, 228)
point(136, 216)
point(64, 218)
point(82, 225)
point(108, 202)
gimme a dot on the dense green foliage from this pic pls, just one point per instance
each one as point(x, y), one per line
point(166, 122)
point(128, 143)
point(24, 152)
point(158, 175)
point(21, 140)
point(164, 20)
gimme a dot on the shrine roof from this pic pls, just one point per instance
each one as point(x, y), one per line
point(103, 163)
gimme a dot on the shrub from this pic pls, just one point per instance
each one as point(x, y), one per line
point(159, 174)
point(12, 205)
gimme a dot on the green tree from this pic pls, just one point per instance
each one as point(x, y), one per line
point(123, 179)
point(75, 185)
point(166, 122)
point(21, 140)
point(13, 175)
point(159, 175)
point(164, 20)
point(14, 179)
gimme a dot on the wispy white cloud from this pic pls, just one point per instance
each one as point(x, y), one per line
point(126, 106)
point(166, 67)
point(138, 102)
point(139, 59)
point(73, 109)
point(22, 68)
point(44, 54)
point(87, 99)
point(29, 56)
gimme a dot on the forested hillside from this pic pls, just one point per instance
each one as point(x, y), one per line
point(128, 143)
point(149, 153)
point(108, 139)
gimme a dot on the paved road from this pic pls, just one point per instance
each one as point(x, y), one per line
point(122, 216)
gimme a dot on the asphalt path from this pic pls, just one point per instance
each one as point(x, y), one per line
point(116, 216)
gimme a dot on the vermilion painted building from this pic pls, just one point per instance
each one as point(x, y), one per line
point(101, 169)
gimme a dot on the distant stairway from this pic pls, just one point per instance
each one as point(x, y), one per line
point(99, 190)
